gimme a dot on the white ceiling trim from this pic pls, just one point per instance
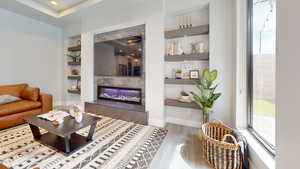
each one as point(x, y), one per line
point(53, 13)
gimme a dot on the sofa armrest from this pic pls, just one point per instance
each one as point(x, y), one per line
point(47, 102)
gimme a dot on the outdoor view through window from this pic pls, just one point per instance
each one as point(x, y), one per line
point(263, 68)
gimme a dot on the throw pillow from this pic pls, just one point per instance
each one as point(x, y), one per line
point(5, 99)
point(30, 94)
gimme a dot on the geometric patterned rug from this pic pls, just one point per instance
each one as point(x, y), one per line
point(116, 145)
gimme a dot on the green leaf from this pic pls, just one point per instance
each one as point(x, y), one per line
point(213, 75)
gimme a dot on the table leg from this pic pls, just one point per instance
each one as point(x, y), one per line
point(67, 143)
point(91, 132)
point(35, 131)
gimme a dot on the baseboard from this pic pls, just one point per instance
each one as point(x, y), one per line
point(183, 122)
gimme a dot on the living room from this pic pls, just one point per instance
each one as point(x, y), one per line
point(143, 109)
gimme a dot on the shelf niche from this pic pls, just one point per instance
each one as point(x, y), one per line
point(180, 81)
point(74, 77)
point(74, 91)
point(176, 103)
point(74, 63)
point(193, 31)
point(187, 57)
point(74, 48)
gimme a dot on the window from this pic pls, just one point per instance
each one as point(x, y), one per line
point(262, 47)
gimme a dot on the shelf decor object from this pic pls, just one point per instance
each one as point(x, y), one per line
point(194, 31)
point(194, 74)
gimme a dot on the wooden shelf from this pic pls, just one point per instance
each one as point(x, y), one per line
point(74, 77)
point(74, 48)
point(176, 103)
point(188, 57)
point(180, 81)
point(74, 63)
point(74, 91)
point(197, 30)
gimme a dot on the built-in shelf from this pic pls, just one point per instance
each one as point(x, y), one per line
point(197, 30)
point(74, 48)
point(74, 63)
point(73, 91)
point(74, 77)
point(176, 103)
point(188, 57)
point(180, 81)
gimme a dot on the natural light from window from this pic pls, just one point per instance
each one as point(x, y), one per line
point(263, 69)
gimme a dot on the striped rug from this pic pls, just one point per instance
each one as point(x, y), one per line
point(116, 145)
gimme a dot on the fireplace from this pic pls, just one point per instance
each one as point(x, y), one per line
point(128, 95)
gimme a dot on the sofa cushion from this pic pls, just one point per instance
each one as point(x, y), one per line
point(5, 99)
point(30, 93)
point(18, 106)
point(14, 90)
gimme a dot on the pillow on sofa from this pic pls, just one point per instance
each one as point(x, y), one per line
point(5, 99)
point(30, 94)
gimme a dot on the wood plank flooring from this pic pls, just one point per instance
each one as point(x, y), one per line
point(181, 149)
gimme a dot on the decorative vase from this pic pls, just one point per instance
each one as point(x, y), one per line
point(78, 117)
point(178, 75)
point(185, 97)
point(72, 111)
point(206, 113)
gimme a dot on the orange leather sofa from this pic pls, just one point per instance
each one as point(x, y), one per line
point(33, 103)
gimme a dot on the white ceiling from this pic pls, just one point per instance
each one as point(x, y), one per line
point(61, 4)
point(69, 12)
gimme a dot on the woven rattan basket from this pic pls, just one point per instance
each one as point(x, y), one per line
point(219, 153)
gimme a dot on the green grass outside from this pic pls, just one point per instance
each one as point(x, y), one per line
point(264, 108)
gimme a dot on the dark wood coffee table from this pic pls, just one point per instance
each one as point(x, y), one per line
point(63, 137)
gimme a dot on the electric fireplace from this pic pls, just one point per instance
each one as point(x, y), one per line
point(128, 95)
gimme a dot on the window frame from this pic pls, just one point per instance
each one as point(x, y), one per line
point(268, 146)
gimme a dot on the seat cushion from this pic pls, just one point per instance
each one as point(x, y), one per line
point(18, 106)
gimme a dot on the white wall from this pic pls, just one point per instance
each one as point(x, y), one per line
point(101, 18)
point(222, 56)
point(31, 52)
point(287, 84)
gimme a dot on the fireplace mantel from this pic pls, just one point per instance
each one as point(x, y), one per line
point(118, 110)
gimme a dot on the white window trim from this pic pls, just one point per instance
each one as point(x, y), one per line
point(260, 158)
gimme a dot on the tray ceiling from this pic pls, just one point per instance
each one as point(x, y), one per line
point(61, 4)
point(60, 8)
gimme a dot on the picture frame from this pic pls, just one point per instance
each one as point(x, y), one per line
point(194, 74)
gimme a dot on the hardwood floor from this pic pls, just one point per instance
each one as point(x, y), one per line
point(181, 149)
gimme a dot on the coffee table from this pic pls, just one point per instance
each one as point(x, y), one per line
point(63, 136)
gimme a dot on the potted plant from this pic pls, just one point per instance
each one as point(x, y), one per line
point(178, 73)
point(208, 96)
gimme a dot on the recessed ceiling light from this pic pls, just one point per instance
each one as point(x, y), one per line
point(53, 2)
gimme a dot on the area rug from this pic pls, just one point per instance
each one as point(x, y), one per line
point(116, 145)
